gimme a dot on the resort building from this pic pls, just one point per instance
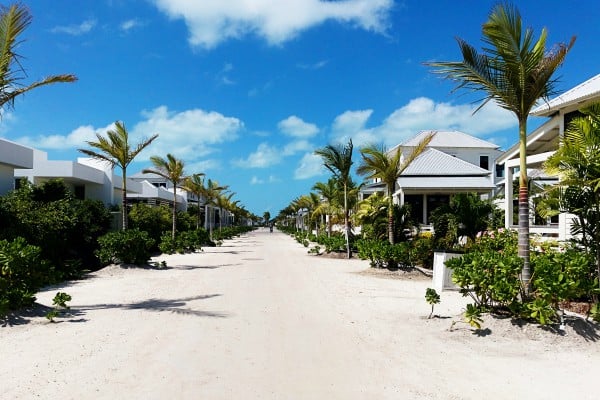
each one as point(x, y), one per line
point(453, 162)
point(12, 156)
point(541, 144)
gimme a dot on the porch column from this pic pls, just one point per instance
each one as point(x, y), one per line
point(508, 196)
point(425, 222)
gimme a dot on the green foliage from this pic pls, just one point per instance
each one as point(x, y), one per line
point(131, 246)
point(541, 310)
point(472, 316)
point(60, 304)
point(421, 251)
point(489, 273)
point(66, 229)
point(595, 312)
point(184, 242)
point(22, 273)
point(316, 250)
point(153, 220)
point(433, 298)
point(382, 254)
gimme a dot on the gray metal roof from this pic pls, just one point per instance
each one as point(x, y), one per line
point(454, 139)
point(433, 162)
point(446, 183)
point(584, 91)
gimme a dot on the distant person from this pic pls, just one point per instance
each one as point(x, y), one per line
point(271, 228)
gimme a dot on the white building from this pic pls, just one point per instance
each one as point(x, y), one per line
point(12, 156)
point(453, 162)
point(541, 144)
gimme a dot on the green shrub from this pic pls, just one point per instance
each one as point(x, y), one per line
point(131, 246)
point(22, 273)
point(422, 249)
point(153, 220)
point(185, 242)
point(489, 273)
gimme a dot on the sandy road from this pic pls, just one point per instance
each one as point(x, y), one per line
point(258, 318)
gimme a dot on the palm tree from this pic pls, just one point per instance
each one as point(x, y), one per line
point(171, 169)
point(115, 149)
point(515, 71)
point(211, 192)
point(195, 185)
point(223, 201)
point(338, 160)
point(13, 21)
point(378, 162)
point(266, 217)
point(577, 162)
point(328, 191)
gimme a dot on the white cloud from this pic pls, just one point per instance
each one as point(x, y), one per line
point(264, 156)
point(296, 127)
point(296, 146)
point(352, 125)
point(310, 165)
point(256, 181)
point(75, 30)
point(189, 134)
point(314, 66)
point(76, 139)
point(421, 114)
point(202, 166)
point(130, 24)
point(212, 22)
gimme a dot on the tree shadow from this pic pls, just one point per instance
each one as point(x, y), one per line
point(76, 313)
point(177, 306)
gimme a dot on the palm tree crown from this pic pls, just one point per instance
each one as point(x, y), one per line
point(13, 21)
point(116, 150)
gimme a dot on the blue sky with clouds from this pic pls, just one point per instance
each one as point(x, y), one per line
point(245, 91)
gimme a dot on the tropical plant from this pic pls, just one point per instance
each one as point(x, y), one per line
point(211, 192)
point(129, 247)
point(116, 150)
point(14, 19)
point(515, 71)
point(338, 160)
point(379, 163)
point(432, 297)
point(577, 162)
point(170, 168)
point(195, 185)
point(328, 192)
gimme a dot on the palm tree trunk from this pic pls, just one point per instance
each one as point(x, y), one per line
point(524, 209)
point(174, 211)
point(346, 222)
point(124, 200)
point(390, 215)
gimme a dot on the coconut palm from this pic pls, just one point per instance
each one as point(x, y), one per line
point(328, 191)
point(211, 192)
point(379, 163)
point(338, 160)
point(14, 20)
point(170, 168)
point(116, 150)
point(515, 71)
point(577, 162)
point(195, 185)
point(223, 202)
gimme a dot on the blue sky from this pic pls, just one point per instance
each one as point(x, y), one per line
point(245, 91)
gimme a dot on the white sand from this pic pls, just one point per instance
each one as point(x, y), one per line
point(260, 319)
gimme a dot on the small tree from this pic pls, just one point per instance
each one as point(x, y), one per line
point(171, 169)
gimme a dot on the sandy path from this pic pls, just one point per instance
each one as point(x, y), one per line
point(260, 319)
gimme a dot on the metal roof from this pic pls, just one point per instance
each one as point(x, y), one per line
point(433, 162)
point(454, 139)
point(584, 91)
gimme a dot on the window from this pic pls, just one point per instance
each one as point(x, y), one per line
point(499, 171)
point(484, 162)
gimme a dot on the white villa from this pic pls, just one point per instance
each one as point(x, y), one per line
point(541, 144)
point(453, 162)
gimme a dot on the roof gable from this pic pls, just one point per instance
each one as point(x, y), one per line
point(584, 91)
point(433, 162)
point(455, 139)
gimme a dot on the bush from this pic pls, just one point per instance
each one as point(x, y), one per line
point(22, 273)
point(422, 249)
point(489, 273)
point(382, 254)
point(153, 220)
point(188, 241)
point(131, 246)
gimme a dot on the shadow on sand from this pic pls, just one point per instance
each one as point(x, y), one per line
point(76, 313)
